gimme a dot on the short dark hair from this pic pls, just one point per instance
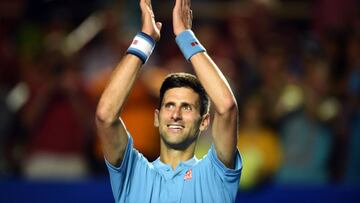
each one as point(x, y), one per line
point(186, 80)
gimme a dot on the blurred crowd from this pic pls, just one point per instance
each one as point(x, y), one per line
point(295, 73)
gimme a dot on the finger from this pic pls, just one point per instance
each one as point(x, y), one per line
point(183, 10)
point(187, 10)
point(146, 8)
point(188, 3)
point(143, 5)
point(183, 4)
point(177, 3)
point(148, 2)
point(188, 6)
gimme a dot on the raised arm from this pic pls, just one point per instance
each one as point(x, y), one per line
point(224, 127)
point(111, 129)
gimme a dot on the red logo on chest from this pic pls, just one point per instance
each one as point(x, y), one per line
point(188, 175)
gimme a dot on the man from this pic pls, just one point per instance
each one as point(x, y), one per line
point(176, 176)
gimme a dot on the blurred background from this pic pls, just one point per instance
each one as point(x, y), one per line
point(294, 66)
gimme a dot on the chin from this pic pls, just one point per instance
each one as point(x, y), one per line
point(176, 145)
point(173, 142)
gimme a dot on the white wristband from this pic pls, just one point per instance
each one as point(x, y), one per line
point(142, 46)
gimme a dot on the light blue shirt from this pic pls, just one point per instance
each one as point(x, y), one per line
point(205, 180)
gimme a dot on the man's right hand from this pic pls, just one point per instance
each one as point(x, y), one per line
point(149, 25)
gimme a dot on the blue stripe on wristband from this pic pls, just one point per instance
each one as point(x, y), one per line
point(146, 37)
point(189, 44)
point(142, 46)
point(138, 53)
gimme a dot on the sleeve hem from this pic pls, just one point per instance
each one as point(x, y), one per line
point(237, 163)
point(126, 157)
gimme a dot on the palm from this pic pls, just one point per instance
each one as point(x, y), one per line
point(149, 25)
point(182, 16)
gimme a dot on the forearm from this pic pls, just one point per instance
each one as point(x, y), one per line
point(214, 82)
point(118, 88)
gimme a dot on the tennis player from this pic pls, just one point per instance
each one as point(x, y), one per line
point(182, 115)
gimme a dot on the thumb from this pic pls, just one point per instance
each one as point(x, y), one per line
point(159, 25)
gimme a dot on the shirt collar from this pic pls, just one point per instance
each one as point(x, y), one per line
point(159, 164)
point(191, 162)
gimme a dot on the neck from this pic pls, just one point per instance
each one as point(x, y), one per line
point(173, 157)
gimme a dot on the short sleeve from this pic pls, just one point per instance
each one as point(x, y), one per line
point(124, 163)
point(218, 183)
point(227, 174)
point(119, 176)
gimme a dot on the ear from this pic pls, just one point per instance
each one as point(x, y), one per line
point(205, 122)
point(156, 118)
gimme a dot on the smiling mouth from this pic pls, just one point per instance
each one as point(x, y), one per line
point(175, 127)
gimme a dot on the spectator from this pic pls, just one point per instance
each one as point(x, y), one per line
point(58, 120)
point(259, 144)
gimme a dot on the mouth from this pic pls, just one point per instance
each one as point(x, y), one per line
point(175, 127)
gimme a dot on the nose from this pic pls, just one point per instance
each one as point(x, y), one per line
point(176, 114)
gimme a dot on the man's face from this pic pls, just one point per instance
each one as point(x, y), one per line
point(179, 119)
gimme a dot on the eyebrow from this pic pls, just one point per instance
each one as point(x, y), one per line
point(181, 104)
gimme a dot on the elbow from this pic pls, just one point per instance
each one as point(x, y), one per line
point(100, 117)
point(104, 116)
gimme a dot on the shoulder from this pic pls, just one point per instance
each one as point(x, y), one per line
point(211, 162)
point(132, 159)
